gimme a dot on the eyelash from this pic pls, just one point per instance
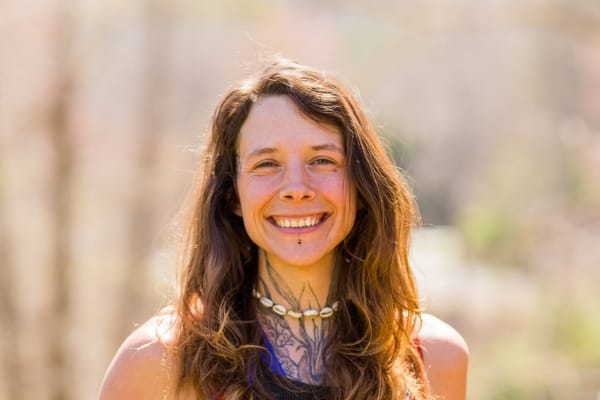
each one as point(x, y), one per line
point(266, 164)
point(274, 164)
point(322, 161)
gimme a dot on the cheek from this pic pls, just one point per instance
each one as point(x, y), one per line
point(344, 195)
point(252, 194)
point(238, 208)
point(240, 192)
point(243, 199)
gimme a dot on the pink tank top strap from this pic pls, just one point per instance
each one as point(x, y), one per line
point(417, 343)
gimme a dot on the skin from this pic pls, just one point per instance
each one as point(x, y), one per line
point(297, 344)
point(144, 369)
point(291, 169)
point(446, 358)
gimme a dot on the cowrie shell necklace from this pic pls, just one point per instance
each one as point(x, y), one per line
point(280, 310)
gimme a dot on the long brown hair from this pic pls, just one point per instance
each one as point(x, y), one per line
point(370, 352)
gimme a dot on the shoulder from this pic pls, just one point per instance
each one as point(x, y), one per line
point(445, 356)
point(143, 367)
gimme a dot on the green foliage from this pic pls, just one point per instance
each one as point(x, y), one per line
point(511, 391)
point(494, 233)
point(574, 326)
point(485, 227)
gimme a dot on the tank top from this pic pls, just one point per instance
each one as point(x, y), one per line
point(273, 379)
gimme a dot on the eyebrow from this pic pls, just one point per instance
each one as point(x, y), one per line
point(271, 150)
point(328, 146)
point(261, 151)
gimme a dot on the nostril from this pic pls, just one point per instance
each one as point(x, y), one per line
point(296, 192)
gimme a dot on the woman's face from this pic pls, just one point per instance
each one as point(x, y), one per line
point(293, 185)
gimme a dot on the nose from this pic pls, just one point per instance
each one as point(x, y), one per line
point(296, 185)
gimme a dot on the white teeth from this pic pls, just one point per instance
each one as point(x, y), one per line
point(297, 223)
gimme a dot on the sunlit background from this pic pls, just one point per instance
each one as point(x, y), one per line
point(491, 107)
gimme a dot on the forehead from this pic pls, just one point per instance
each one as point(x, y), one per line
point(275, 121)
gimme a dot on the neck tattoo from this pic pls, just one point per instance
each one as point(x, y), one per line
point(298, 342)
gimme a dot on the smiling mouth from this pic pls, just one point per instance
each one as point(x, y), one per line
point(298, 222)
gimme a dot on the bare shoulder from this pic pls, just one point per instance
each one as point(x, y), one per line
point(143, 367)
point(445, 355)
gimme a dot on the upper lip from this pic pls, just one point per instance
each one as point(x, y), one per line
point(305, 215)
point(318, 214)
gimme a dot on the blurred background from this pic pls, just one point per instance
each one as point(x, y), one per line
point(492, 109)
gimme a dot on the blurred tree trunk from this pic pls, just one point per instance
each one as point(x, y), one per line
point(58, 128)
point(135, 291)
point(9, 365)
point(9, 370)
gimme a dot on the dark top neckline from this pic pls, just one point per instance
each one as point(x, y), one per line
point(282, 387)
point(276, 382)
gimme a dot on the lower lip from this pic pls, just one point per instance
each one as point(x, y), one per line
point(304, 229)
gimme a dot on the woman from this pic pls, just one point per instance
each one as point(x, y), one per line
point(295, 281)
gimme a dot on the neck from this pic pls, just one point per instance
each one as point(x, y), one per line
point(297, 288)
point(297, 343)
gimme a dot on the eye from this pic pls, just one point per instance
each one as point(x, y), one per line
point(323, 161)
point(266, 164)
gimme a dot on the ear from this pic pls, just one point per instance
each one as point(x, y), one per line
point(237, 210)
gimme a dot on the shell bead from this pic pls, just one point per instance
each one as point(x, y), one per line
point(310, 313)
point(279, 309)
point(326, 312)
point(266, 302)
